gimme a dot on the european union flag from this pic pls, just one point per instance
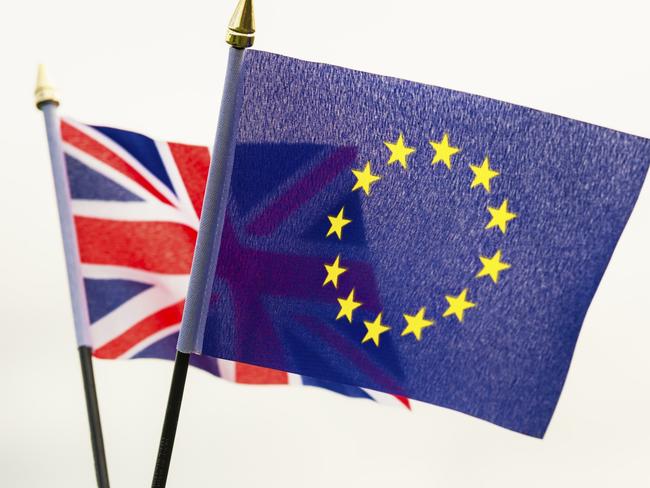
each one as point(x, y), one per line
point(414, 240)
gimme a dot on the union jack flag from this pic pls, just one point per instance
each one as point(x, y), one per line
point(136, 204)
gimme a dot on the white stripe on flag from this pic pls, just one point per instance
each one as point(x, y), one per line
point(131, 212)
point(227, 369)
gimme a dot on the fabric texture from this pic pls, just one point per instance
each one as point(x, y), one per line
point(415, 240)
point(136, 204)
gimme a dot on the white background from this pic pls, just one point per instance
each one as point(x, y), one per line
point(157, 67)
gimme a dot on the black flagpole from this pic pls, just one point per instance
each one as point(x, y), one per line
point(240, 35)
point(96, 436)
point(47, 102)
point(170, 423)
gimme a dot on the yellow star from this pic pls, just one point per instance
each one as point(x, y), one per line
point(415, 323)
point(375, 329)
point(483, 174)
point(334, 270)
point(348, 305)
point(398, 151)
point(444, 151)
point(364, 179)
point(336, 224)
point(500, 216)
point(458, 305)
point(492, 266)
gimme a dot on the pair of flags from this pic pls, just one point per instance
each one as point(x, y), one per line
point(382, 238)
point(136, 204)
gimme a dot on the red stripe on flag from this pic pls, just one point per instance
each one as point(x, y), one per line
point(161, 247)
point(256, 375)
point(193, 163)
point(167, 317)
point(90, 146)
point(404, 400)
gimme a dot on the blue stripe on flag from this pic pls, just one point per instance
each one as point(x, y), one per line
point(87, 184)
point(104, 296)
point(141, 148)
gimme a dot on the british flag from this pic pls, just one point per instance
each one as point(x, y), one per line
point(136, 204)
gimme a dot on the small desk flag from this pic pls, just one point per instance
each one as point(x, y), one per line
point(412, 239)
point(136, 204)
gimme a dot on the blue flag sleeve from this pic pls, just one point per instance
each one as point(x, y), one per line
point(414, 240)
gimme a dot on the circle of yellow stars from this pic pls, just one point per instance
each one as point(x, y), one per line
point(457, 305)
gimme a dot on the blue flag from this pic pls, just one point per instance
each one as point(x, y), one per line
point(412, 239)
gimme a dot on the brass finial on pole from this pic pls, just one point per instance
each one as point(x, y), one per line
point(240, 35)
point(241, 28)
point(44, 92)
point(47, 102)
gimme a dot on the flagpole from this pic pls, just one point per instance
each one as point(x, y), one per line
point(47, 102)
point(240, 35)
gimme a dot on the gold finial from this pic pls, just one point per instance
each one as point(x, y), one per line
point(44, 92)
point(241, 29)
